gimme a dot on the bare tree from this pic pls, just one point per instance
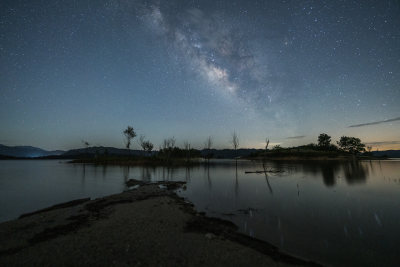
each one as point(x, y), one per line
point(235, 140)
point(186, 145)
point(87, 145)
point(129, 134)
point(142, 142)
point(209, 142)
point(168, 145)
point(266, 144)
point(172, 141)
point(165, 144)
point(148, 146)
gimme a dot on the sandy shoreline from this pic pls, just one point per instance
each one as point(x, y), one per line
point(147, 226)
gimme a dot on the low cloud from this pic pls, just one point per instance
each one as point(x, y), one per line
point(374, 123)
point(381, 143)
point(274, 144)
point(296, 137)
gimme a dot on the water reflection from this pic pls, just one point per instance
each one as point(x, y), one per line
point(83, 172)
point(146, 173)
point(104, 170)
point(187, 174)
point(236, 180)
point(296, 209)
point(354, 172)
point(207, 175)
point(125, 172)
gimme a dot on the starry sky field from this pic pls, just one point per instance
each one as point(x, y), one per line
point(283, 70)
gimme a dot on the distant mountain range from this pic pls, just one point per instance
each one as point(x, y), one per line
point(34, 152)
point(27, 151)
point(222, 153)
point(7, 152)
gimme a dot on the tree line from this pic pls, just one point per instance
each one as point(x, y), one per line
point(347, 144)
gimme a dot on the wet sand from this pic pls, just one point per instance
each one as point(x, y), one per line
point(146, 226)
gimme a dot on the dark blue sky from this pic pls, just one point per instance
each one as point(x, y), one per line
point(286, 70)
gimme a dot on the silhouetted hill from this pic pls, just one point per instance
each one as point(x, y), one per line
point(7, 157)
point(9, 152)
point(387, 153)
point(223, 153)
point(27, 151)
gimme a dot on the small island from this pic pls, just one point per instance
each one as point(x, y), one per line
point(347, 148)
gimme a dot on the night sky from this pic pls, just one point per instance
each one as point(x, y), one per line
point(286, 70)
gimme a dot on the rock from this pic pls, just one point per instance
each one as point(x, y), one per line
point(133, 182)
point(210, 236)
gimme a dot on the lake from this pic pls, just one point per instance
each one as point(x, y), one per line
point(338, 213)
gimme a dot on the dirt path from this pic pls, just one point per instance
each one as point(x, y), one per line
point(148, 226)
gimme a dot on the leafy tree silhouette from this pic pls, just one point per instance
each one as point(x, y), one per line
point(324, 140)
point(351, 144)
point(129, 134)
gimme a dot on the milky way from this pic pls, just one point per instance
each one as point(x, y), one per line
point(286, 70)
point(218, 48)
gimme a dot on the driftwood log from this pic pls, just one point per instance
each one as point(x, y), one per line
point(266, 171)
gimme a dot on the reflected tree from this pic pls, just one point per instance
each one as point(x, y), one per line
point(264, 165)
point(125, 172)
point(208, 145)
point(187, 173)
point(236, 183)
point(207, 175)
point(146, 174)
point(355, 172)
point(186, 145)
point(104, 170)
point(328, 173)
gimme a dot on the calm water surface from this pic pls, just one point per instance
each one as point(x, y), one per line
point(331, 212)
